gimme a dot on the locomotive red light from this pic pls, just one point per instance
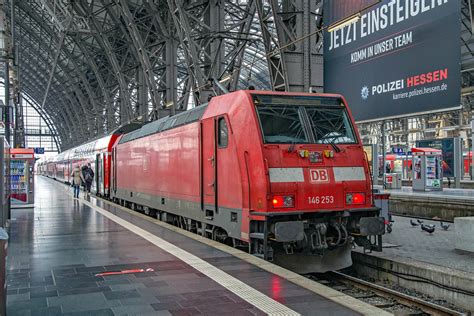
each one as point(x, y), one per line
point(355, 198)
point(280, 201)
point(358, 198)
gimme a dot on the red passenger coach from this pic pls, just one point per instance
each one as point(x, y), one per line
point(96, 152)
point(283, 174)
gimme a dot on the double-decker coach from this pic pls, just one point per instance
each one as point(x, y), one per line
point(97, 153)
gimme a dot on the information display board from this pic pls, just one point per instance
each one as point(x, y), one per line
point(399, 58)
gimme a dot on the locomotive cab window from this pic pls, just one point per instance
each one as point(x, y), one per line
point(331, 125)
point(281, 124)
point(302, 120)
point(223, 133)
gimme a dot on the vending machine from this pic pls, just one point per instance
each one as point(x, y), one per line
point(22, 161)
point(427, 169)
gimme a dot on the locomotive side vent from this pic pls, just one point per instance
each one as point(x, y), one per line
point(209, 214)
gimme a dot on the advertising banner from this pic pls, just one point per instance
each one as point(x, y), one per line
point(338, 10)
point(401, 57)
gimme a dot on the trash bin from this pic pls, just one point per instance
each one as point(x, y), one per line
point(3, 264)
point(393, 180)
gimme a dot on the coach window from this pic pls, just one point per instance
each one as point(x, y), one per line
point(222, 137)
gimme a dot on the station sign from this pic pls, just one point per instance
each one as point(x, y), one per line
point(398, 58)
point(39, 150)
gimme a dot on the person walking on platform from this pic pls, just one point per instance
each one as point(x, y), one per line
point(83, 172)
point(77, 178)
point(88, 178)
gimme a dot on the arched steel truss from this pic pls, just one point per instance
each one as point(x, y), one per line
point(94, 65)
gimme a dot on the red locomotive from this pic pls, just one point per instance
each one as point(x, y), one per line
point(283, 174)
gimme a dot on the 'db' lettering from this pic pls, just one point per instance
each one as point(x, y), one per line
point(319, 175)
point(323, 176)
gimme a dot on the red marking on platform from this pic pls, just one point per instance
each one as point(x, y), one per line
point(124, 272)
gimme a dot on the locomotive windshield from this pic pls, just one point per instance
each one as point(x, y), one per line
point(290, 119)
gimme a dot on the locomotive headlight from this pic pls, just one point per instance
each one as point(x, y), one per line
point(355, 198)
point(281, 201)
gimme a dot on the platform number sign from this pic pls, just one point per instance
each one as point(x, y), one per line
point(39, 150)
point(318, 175)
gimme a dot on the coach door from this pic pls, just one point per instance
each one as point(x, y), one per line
point(209, 167)
point(99, 173)
point(114, 172)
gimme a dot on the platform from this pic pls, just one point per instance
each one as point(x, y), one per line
point(446, 194)
point(58, 250)
point(446, 204)
point(425, 262)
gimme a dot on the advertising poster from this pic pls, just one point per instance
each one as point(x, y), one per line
point(401, 57)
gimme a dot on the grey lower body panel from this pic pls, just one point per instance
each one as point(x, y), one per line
point(226, 218)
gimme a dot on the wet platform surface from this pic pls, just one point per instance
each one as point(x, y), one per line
point(410, 242)
point(57, 249)
point(447, 194)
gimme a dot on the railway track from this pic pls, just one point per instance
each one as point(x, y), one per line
point(382, 297)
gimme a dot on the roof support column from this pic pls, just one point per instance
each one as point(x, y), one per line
point(293, 55)
point(214, 57)
point(171, 74)
point(142, 94)
point(59, 46)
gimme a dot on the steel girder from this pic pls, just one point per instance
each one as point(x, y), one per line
point(292, 38)
point(212, 35)
point(126, 59)
point(39, 53)
point(25, 21)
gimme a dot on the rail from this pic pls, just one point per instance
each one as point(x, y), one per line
point(404, 299)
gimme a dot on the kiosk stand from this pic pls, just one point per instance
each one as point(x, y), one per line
point(22, 161)
point(427, 172)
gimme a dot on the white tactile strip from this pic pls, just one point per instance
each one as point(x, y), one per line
point(239, 288)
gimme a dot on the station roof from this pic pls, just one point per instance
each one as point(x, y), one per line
point(85, 63)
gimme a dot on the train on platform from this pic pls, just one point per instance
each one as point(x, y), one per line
point(283, 175)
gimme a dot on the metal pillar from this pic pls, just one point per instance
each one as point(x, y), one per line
point(472, 148)
point(7, 102)
point(375, 164)
point(458, 170)
point(142, 95)
point(294, 62)
point(383, 154)
point(171, 74)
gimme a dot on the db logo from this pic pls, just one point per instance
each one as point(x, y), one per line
point(318, 175)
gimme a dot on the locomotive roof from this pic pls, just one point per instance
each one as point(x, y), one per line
point(166, 123)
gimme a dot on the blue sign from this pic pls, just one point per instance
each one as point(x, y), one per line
point(39, 150)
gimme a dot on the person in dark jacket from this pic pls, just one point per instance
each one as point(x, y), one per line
point(88, 178)
point(83, 181)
